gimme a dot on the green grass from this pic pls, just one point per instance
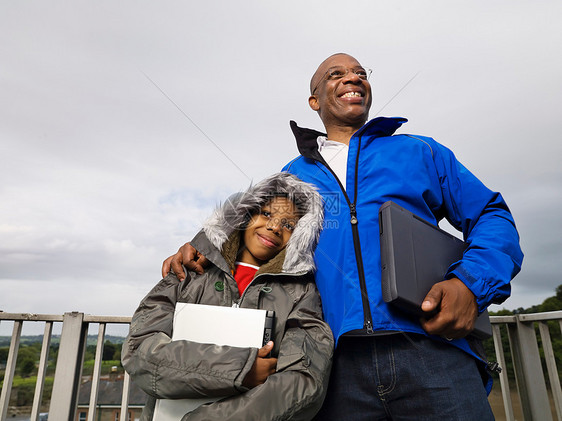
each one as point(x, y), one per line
point(105, 367)
point(29, 381)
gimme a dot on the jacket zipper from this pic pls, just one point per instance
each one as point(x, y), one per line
point(367, 316)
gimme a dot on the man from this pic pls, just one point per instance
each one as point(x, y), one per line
point(388, 365)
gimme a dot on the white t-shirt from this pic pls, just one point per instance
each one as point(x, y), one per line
point(335, 154)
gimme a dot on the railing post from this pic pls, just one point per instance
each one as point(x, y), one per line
point(10, 369)
point(69, 367)
point(551, 368)
point(43, 362)
point(96, 373)
point(528, 371)
point(504, 380)
point(125, 398)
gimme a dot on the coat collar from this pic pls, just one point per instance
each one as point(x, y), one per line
point(379, 127)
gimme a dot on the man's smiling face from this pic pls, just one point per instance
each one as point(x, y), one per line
point(341, 92)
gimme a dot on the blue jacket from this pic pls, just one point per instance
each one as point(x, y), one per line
point(420, 175)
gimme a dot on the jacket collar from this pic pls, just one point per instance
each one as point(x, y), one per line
point(379, 127)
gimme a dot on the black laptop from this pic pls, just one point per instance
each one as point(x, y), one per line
point(415, 255)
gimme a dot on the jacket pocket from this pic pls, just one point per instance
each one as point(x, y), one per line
point(292, 355)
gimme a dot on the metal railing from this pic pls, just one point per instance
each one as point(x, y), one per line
point(529, 374)
point(523, 345)
point(68, 369)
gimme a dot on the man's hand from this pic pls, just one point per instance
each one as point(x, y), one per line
point(451, 308)
point(188, 257)
point(263, 367)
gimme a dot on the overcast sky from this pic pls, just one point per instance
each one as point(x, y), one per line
point(123, 123)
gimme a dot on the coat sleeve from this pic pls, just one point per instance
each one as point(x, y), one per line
point(297, 389)
point(493, 256)
point(179, 369)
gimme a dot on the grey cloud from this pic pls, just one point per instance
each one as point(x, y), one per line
point(102, 177)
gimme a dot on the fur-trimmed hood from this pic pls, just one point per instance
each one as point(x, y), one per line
point(229, 219)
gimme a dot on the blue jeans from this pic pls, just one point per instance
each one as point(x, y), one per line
point(403, 377)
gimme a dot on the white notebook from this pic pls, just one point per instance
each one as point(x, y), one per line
point(202, 323)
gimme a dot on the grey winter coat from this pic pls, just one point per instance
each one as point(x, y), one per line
point(303, 342)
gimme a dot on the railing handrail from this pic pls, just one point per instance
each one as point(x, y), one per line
point(523, 344)
point(88, 318)
point(32, 317)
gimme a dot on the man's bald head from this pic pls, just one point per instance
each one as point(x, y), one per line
point(321, 70)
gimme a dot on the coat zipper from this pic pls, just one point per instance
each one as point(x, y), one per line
point(367, 316)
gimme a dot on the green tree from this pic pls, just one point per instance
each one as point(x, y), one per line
point(109, 349)
point(27, 367)
point(551, 304)
point(27, 357)
point(90, 353)
point(4, 354)
point(117, 354)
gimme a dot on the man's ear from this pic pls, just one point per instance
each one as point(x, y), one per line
point(313, 102)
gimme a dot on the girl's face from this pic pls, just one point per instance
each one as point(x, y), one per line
point(269, 231)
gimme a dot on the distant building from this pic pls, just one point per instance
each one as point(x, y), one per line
point(110, 393)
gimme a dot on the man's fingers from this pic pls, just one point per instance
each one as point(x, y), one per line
point(177, 267)
point(186, 256)
point(203, 262)
point(188, 252)
point(166, 266)
point(432, 299)
point(193, 266)
point(457, 310)
point(192, 259)
point(436, 325)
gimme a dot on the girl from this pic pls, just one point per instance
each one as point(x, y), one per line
point(260, 247)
